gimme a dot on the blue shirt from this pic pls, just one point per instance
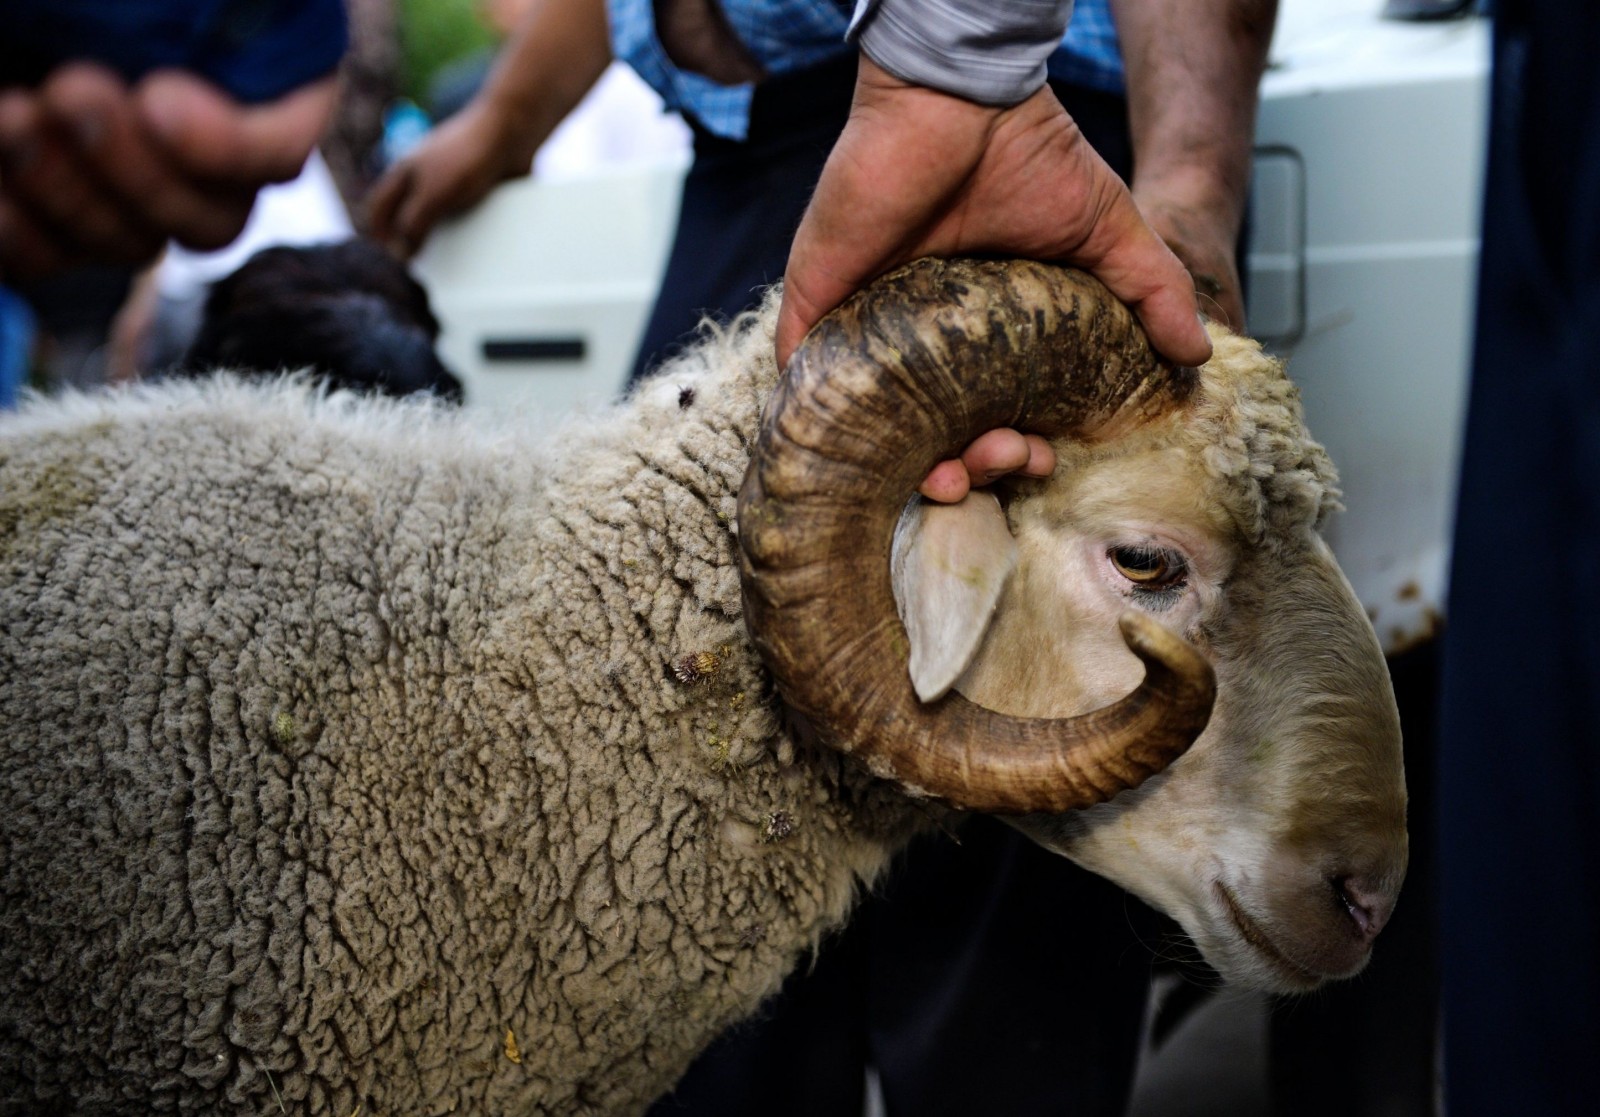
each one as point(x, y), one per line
point(255, 49)
point(785, 35)
point(1090, 53)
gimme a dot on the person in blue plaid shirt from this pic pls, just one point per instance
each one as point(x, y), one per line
point(833, 140)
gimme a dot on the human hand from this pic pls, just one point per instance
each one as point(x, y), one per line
point(453, 169)
point(93, 170)
point(991, 456)
point(1203, 233)
point(918, 172)
point(1193, 76)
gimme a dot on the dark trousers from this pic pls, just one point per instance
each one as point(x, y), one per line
point(1520, 767)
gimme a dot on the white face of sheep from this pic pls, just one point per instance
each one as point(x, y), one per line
point(1278, 840)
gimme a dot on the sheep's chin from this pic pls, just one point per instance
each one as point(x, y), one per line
point(1223, 920)
point(1246, 954)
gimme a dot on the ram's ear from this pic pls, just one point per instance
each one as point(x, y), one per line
point(950, 563)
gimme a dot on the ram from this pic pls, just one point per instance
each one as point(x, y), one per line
point(356, 759)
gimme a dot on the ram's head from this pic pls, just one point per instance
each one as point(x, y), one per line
point(1151, 660)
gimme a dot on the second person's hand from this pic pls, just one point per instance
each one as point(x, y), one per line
point(453, 169)
point(95, 170)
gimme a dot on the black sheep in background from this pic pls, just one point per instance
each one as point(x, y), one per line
point(349, 310)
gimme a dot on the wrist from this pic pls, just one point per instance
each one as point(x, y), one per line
point(1203, 190)
point(508, 130)
point(917, 107)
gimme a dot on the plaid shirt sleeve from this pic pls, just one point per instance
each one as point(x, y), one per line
point(781, 35)
point(1091, 53)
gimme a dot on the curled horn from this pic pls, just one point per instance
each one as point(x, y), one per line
point(904, 375)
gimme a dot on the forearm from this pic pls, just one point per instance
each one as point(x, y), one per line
point(557, 53)
point(1193, 70)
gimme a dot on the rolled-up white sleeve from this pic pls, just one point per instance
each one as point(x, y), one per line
point(990, 51)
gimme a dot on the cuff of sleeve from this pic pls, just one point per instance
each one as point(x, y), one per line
point(991, 53)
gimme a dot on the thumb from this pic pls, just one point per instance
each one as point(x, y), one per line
point(210, 135)
point(796, 315)
point(1171, 317)
point(810, 290)
point(1139, 268)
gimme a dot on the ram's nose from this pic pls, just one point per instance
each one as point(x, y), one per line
point(1368, 903)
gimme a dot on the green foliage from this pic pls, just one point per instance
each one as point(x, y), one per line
point(433, 34)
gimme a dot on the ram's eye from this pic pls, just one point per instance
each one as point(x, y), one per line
point(1147, 566)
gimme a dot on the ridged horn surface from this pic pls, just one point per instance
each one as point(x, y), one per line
point(902, 376)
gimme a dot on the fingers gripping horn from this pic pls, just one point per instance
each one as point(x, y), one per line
point(902, 376)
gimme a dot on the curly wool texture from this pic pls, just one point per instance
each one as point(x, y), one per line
point(1247, 425)
point(353, 758)
point(346, 761)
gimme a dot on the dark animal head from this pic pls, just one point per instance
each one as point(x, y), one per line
point(349, 311)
